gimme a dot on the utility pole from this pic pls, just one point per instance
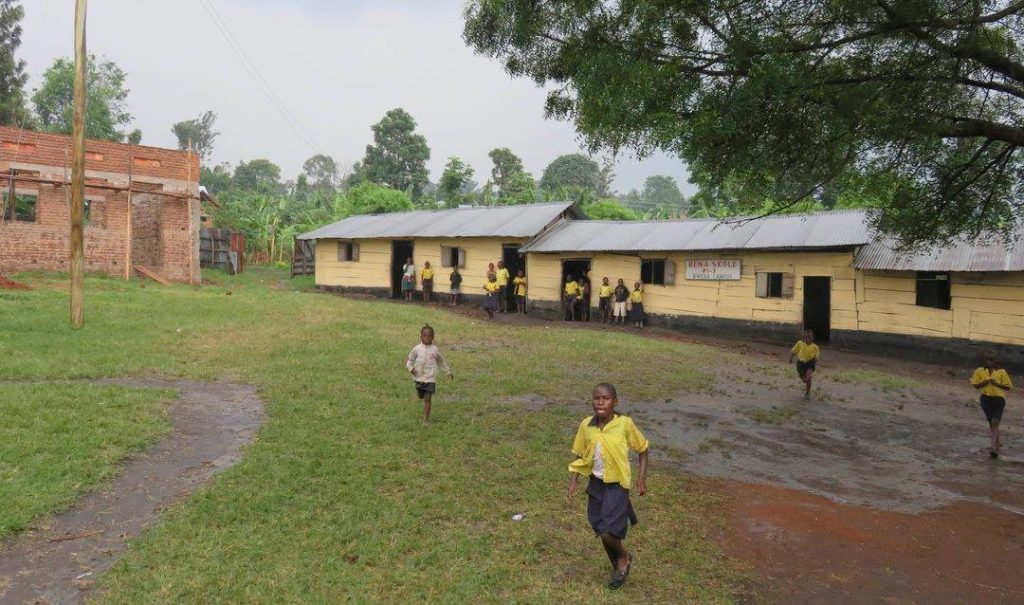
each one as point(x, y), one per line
point(78, 172)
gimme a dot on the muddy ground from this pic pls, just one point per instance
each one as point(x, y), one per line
point(58, 562)
point(878, 489)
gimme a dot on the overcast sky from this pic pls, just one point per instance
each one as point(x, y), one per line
point(334, 66)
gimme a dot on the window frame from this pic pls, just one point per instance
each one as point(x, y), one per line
point(941, 296)
point(666, 276)
point(774, 284)
point(348, 251)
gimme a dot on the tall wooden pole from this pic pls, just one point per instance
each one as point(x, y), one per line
point(78, 172)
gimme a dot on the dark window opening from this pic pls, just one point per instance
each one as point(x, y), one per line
point(933, 290)
point(774, 285)
point(348, 251)
point(652, 272)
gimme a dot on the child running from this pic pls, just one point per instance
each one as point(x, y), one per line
point(636, 299)
point(604, 300)
point(422, 363)
point(806, 354)
point(993, 382)
point(621, 294)
point(602, 447)
point(520, 283)
point(491, 290)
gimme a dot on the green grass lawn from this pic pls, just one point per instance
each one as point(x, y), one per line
point(345, 495)
point(59, 440)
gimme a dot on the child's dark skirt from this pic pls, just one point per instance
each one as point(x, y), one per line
point(422, 388)
point(993, 408)
point(637, 312)
point(609, 509)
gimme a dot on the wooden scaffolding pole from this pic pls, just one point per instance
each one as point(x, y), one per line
point(78, 173)
point(128, 223)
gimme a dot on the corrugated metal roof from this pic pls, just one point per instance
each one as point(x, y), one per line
point(525, 220)
point(837, 229)
point(992, 255)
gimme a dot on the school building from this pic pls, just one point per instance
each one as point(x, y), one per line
point(763, 279)
point(365, 253)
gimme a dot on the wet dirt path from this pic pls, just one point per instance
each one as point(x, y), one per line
point(58, 562)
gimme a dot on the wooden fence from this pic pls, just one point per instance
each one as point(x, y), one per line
point(222, 249)
point(304, 257)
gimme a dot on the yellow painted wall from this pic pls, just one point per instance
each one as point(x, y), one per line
point(986, 307)
point(373, 269)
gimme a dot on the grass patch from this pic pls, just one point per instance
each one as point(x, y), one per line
point(60, 440)
point(772, 415)
point(345, 495)
point(882, 380)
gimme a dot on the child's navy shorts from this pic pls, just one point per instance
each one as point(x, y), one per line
point(993, 407)
point(803, 366)
point(609, 509)
point(422, 388)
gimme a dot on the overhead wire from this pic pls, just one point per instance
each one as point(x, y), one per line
point(257, 76)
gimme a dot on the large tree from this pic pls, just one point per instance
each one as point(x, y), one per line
point(399, 156)
point(321, 172)
point(917, 103)
point(456, 177)
point(13, 111)
point(506, 166)
point(258, 175)
point(199, 133)
point(572, 170)
point(660, 190)
point(106, 112)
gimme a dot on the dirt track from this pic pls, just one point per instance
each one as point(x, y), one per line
point(59, 561)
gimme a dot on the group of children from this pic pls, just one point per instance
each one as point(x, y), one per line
point(614, 304)
point(603, 440)
point(499, 279)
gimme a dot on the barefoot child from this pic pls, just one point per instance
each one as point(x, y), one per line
point(604, 300)
point(520, 284)
point(422, 363)
point(602, 447)
point(993, 382)
point(427, 280)
point(806, 354)
point(636, 311)
point(491, 290)
point(621, 294)
point(456, 283)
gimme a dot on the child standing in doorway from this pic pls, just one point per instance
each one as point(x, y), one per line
point(601, 448)
point(806, 354)
point(423, 362)
point(408, 279)
point(570, 292)
point(993, 382)
point(520, 283)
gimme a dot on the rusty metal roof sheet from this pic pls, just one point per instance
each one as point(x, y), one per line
point(991, 255)
point(525, 220)
point(837, 229)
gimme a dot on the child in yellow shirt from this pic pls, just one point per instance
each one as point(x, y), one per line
point(427, 279)
point(520, 290)
point(993, 382)
point(491, 291)
point(806, 354)
point(604, 300)
point(601, 448)
point(636, 309)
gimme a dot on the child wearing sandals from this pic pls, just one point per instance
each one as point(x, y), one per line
point(602, 447)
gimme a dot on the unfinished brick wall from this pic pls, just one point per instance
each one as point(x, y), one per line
point(164, 233)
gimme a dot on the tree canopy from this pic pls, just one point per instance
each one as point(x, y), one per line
point(258, 175)
point(13, 110)
point(662, 190)
point(918, 104)
point(199, 132)
point(106, 112)
point(321, 171)
point(609, 209)
point(399, 156)
point(572, 170)
point(456, 177)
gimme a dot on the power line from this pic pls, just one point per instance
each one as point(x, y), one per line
point(254, 72)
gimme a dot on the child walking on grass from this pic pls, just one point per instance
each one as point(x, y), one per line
point(423, 362)
point(806, 354)
point(993, 382)
point(601, 448)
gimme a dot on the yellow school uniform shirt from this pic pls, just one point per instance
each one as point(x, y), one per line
point(805, 352)
point(636, 296)
point(1000, 376)
point(618, 437)
point(491, 286)
point(520, 283)
point(606, 291)
point(503, 276)
point(428, 274)
point(572, 288)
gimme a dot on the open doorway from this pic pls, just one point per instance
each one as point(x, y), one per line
point(576, 268)
point(818, 306)
point(401, 249)
point(515, 263)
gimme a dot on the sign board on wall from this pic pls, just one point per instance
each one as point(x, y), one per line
point(713, 269)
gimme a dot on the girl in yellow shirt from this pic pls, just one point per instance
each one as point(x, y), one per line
point(427, 279)
point(636, 299)
point(520, 285)
point(491, 289)
point(993, 383)
point(806, 354)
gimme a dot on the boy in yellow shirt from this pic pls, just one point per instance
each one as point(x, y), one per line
point(993, 382)
point(520, 283)
point(604, 300)
point(806, 354)
point(601, 448)
point(427, 279)
point(503, 279)
point(570, 294)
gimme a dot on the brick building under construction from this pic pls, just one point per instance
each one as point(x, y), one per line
point(142, 207)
